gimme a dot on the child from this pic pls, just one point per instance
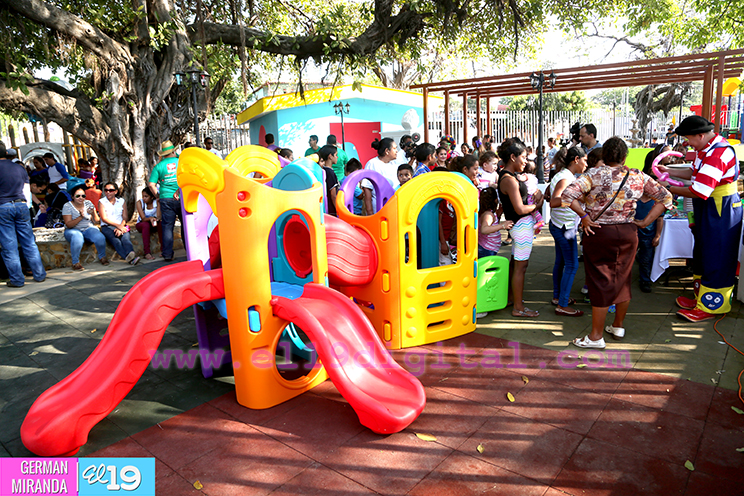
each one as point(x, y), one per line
point(489, 237)
point(148, 211)
point(467, 165)
point(328, 156)
point(287, 153)
point(354, 165)
point(531, 182)
point(648, 237)
point(405, 173)
point(85, 171)
point(487, 174)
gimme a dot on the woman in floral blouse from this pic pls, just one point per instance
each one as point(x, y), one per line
point(610, 236)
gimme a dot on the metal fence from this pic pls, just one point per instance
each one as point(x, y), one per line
point(224, 131)
point(524, 124)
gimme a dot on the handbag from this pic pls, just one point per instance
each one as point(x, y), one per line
point(614, 197)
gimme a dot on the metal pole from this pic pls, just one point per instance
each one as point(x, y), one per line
point(681, 106)
point(614, 107)
point(196, 114)
point(539, 159)
point(343, 136)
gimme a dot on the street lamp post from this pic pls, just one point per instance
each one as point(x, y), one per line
point(538, 81)
point(342, 109)
point(197, 77)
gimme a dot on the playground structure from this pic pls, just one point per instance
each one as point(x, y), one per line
point(279, 254)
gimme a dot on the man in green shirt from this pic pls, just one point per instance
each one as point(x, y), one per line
point(340, 166)
point(313, 142)
point(163, 177)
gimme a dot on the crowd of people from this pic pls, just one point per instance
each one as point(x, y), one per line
point(46, 195)
point(610, 213)
point(601, 210)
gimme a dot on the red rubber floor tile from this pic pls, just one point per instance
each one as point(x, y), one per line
point(516, 357)
point(228, 403)
point(175, 485)
point(464, 475)
point(315, 427)
point(246, 463)
point(186, 437)
point(391, 464)
point(483, 384)
point(601, 469)
point(559, 405)
point(321, 481)
point(701, 484)
point(450, 418)
point(427, 365)
point(601, 375)
point(523, 446)
point(721, 413)
point(662, 392)
point(717, 455)
point(129, 448)
point(656, 433)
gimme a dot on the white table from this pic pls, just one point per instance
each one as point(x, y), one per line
point(676, 241)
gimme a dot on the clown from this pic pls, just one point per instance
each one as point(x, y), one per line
point(717, 210)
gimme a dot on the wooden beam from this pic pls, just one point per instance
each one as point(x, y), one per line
point(446, 112)
point(618, 82)
point(707, 92)
point(489, 124)
point(719, 95)
point(465, 118)
point(705, 57)
point(426, 115)
point(478, 128)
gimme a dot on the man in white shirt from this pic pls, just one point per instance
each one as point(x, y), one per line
point(208, 144)
point(406, 145)
point(588, 138)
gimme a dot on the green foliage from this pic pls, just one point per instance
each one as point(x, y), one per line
point(574, 101)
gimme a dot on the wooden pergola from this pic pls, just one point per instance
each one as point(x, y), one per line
point(707, 67)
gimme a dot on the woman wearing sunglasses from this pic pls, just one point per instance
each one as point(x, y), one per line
point(113, 212)
point(79, 216)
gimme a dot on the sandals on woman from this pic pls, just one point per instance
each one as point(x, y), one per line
point(616, 332)
point(568, 313)
point(525, 313)
point(555, 302)
point(585, 342)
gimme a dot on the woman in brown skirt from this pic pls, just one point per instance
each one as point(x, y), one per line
point(609, 193)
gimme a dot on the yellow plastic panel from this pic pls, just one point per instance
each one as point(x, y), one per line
point(254, 158)
point(199, 171)
point(245, 227)
point(406, 307)
point(444, 297)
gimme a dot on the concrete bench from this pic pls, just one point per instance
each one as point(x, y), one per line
point(55, 250)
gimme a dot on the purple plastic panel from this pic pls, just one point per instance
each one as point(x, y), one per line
point(208, 324)
point(383, 190)
point(195, 228)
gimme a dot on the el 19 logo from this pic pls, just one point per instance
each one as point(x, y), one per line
point(109, 476)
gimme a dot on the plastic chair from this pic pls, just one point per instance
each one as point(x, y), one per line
point(493, 283)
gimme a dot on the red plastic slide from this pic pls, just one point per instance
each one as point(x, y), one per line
point(385, 396)
point(352, 255)
point(59, 421)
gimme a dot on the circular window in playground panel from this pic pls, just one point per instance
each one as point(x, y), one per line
point(295, 354)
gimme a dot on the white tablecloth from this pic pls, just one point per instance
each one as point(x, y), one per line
point(676, 241)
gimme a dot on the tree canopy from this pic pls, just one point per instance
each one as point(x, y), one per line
point(120, 57)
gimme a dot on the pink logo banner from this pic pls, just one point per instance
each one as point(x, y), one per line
point(38, 476)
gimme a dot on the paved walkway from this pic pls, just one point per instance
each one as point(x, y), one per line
point(612, 431)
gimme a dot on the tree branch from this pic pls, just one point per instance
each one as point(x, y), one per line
point(87, 36)
point(72, 110)
point(379, 32)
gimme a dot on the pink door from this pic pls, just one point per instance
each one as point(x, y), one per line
point(361, 134)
